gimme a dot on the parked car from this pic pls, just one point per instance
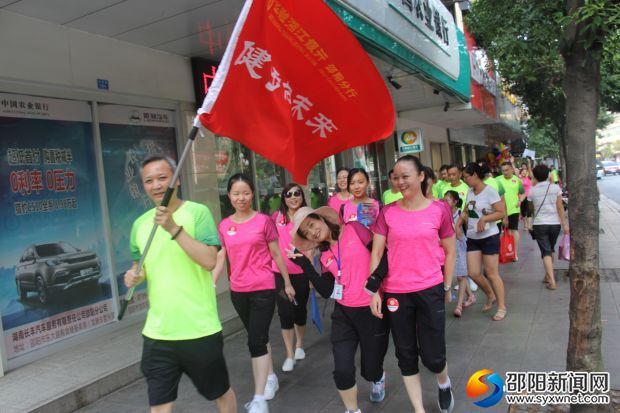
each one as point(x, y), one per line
point(54, 267)
point(600, 170)
point(611, 167)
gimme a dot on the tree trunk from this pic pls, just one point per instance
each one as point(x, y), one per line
point(581, 87)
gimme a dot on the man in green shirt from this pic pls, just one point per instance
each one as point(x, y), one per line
point(514, 193)
point(182, 333)
point(455, 184)
point(554, 177)
point(438, 187)
point(392, 194)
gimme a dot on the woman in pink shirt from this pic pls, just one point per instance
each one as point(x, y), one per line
point(345, 258)
point(292, 316)
point(250, 241)
point(342, 194)
point(361, 207)
point(417, 285)
point(525, 210)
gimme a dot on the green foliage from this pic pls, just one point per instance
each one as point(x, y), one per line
point(523, 38)
point(544, 139)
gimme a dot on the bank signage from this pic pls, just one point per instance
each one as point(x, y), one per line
point(410, 141)
point(426, 27)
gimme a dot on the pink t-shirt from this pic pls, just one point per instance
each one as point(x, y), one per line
point(350, 212)
point(413, 243)
point(248, 252)
point(354, 264)
point(284, 240)
point(527, 184)
point(335, 202)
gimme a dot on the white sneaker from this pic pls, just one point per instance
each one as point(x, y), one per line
point(256, 406)
point(472, 284)
point(300, 354)
point(271, 387)
point(288, 365)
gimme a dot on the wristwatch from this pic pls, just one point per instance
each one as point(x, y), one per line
point(446, 288)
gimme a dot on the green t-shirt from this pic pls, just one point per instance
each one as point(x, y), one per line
point(389, 197)
point(512, 188)
point(555, 176)
point(181, 292)
point(438, 188)
point(493, 183)
point(462, 188)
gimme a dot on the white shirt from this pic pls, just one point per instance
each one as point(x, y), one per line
point(478, 205)
point(548, 214)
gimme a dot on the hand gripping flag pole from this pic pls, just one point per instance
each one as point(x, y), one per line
point(164, 202)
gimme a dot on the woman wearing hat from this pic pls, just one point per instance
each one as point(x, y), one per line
point(345, 258)
point(414, 229)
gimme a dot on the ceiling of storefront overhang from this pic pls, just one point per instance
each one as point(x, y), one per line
point(184, 27)
point(201, 28)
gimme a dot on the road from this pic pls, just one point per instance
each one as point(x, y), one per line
point(610, 187)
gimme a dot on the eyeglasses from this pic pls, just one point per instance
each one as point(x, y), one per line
point(292, 194)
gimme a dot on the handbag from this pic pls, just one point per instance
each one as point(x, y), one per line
point(531, 230)
point(506, 247)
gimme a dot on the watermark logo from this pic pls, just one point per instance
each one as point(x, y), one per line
point(538, 387)
point(476, 387)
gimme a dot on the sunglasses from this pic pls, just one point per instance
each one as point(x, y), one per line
point(292, 194)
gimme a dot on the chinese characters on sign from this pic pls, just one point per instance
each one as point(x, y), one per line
point(33, 335)
point(23, 105)
point(29, 181)
point(254, 58)
point(430, 17)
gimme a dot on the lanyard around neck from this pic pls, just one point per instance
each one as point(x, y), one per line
point(338, 260)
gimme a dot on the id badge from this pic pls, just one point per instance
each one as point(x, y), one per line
point(337, 293)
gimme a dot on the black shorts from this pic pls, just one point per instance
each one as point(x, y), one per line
point(202, 359)
point(353, 326)
point(290, 314)
point(255, 309)
point(546, 236)
point(488, 245)
point(418, 324)
point(525, 208)
point(513, 222)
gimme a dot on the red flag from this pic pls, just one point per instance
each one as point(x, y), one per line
point(295, 86)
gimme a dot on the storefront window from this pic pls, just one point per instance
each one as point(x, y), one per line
point(317, 185)
point(231, 157)
point(270, 179)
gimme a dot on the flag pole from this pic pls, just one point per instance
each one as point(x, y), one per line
point(129, 295)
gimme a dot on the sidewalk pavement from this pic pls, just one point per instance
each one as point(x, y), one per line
point(533, 337)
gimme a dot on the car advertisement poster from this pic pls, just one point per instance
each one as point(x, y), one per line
point(128, 136)
point(54, 271)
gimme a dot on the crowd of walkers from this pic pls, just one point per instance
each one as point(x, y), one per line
point(389, 267)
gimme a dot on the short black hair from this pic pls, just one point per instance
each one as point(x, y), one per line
point(354, 171)
point(444, 167)
point(158, 157)
point(541, 172)
point(506, 163)
point(455, 166)
point(390, 172)
point(239, 177)
point(473, 168)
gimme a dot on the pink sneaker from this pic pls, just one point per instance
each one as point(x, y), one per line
point(471, 300)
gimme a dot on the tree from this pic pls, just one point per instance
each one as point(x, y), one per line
point(551, 53)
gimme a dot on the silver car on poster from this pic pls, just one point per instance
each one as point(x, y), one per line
point(50, 268)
